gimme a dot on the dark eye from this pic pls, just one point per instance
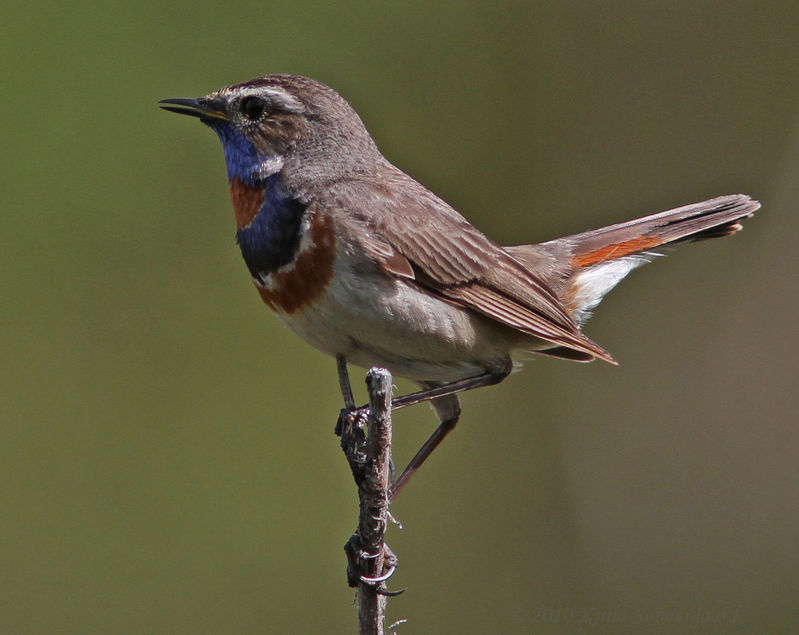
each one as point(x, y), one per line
point(252, 107)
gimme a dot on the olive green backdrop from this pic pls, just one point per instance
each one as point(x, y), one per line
point(162, 469)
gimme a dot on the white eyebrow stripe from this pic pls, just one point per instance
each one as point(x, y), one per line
point(282, 99)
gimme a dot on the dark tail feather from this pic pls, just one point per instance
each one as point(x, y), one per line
point(714, 218)
point(583, 267)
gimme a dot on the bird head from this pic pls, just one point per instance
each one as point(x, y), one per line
point(283, 123)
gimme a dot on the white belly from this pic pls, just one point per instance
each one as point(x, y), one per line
point(372, 319)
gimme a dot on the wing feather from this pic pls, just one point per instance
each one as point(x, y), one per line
point(508, 311)
point(453, 259)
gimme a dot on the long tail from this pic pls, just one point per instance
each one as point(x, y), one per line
point(582, 268)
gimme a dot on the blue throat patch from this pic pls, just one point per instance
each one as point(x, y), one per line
point(272, 238)
point(241, 157)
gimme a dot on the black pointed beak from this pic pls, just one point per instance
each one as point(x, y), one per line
point(202, 107)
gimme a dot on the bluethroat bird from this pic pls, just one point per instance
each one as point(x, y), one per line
point(371, 267)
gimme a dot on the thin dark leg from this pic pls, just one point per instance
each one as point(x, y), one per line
point(451, 388)
point(421, 456)
point(344, 382)
point(446, 426)
point(426, 394)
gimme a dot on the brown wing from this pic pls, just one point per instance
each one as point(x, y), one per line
point(450, 257)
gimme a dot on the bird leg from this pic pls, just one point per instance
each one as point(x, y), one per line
point(447, 405)
point(445, 401)
point(344, 382)
point(449, 410)
point(434, 391)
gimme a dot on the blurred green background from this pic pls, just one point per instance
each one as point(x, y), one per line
point(161, 470)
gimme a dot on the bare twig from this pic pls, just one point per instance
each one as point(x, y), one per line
point(371, 562)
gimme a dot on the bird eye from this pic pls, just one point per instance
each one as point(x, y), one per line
point(252, 107)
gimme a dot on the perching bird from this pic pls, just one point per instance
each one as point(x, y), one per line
point(371, 267)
